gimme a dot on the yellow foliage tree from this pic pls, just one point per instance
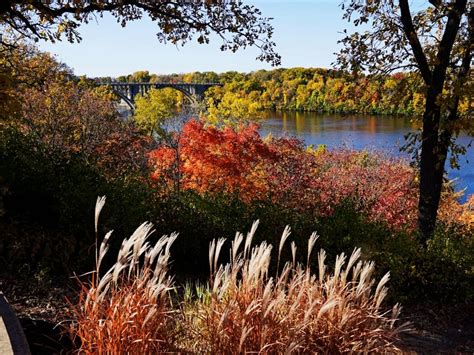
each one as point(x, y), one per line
point(155, 108)
point(231, 108)
point(23, 67)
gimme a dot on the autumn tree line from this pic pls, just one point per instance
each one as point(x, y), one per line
point(302, 89)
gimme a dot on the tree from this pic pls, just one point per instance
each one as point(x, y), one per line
point(436, 40)
point(238, 25)
point(154, 108)
point(214, 160)
point(142, 76)
point(64, 118)
point(22, 68)
point(230, 108)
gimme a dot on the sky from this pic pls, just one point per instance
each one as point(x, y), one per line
point(306, 35)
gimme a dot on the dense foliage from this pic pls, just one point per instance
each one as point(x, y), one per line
point(209, 160)
point(64, 145)
point(302, 89)
point(205, 181)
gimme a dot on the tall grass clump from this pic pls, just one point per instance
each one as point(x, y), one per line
point(244, 309)
point(241, 309)
point(127, 309)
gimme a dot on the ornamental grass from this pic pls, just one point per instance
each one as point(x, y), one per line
point(126, 310)
point(242, 308)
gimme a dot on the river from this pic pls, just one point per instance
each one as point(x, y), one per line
point(381, 133)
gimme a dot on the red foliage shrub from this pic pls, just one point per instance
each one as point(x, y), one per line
point(239, 161)
point(292, 177)
point(384, 188)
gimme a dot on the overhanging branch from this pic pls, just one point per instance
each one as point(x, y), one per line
point(414, 41)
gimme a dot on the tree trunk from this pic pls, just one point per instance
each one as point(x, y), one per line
point(431, 181)
point(433, 158)
point(435, 144)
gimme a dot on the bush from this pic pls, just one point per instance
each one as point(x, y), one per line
point(210, 160)
point(47, 200)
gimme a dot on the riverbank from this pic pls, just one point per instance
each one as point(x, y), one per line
point(205, 183)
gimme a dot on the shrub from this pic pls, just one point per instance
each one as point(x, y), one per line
point(212, 160)
point(238, 161)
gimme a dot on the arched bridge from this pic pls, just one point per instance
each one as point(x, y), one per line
point(128, 91)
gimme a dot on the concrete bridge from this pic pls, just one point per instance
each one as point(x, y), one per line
point(127, 91)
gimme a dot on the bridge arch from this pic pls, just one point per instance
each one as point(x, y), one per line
point(129, 102)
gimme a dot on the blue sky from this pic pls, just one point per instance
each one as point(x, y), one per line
point(306, 34)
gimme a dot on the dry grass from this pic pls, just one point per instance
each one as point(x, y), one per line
point(127, 309)
point(246, 310)
point(241, 309)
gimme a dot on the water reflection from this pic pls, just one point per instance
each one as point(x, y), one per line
point(360, 132)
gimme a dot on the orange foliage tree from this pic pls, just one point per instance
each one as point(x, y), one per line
point(213, 160)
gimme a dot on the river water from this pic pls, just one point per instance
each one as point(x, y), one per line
point(382, 133)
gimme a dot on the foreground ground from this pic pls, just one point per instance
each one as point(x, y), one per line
point(437, 328)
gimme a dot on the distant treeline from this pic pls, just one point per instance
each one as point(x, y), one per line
point(308, 89)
